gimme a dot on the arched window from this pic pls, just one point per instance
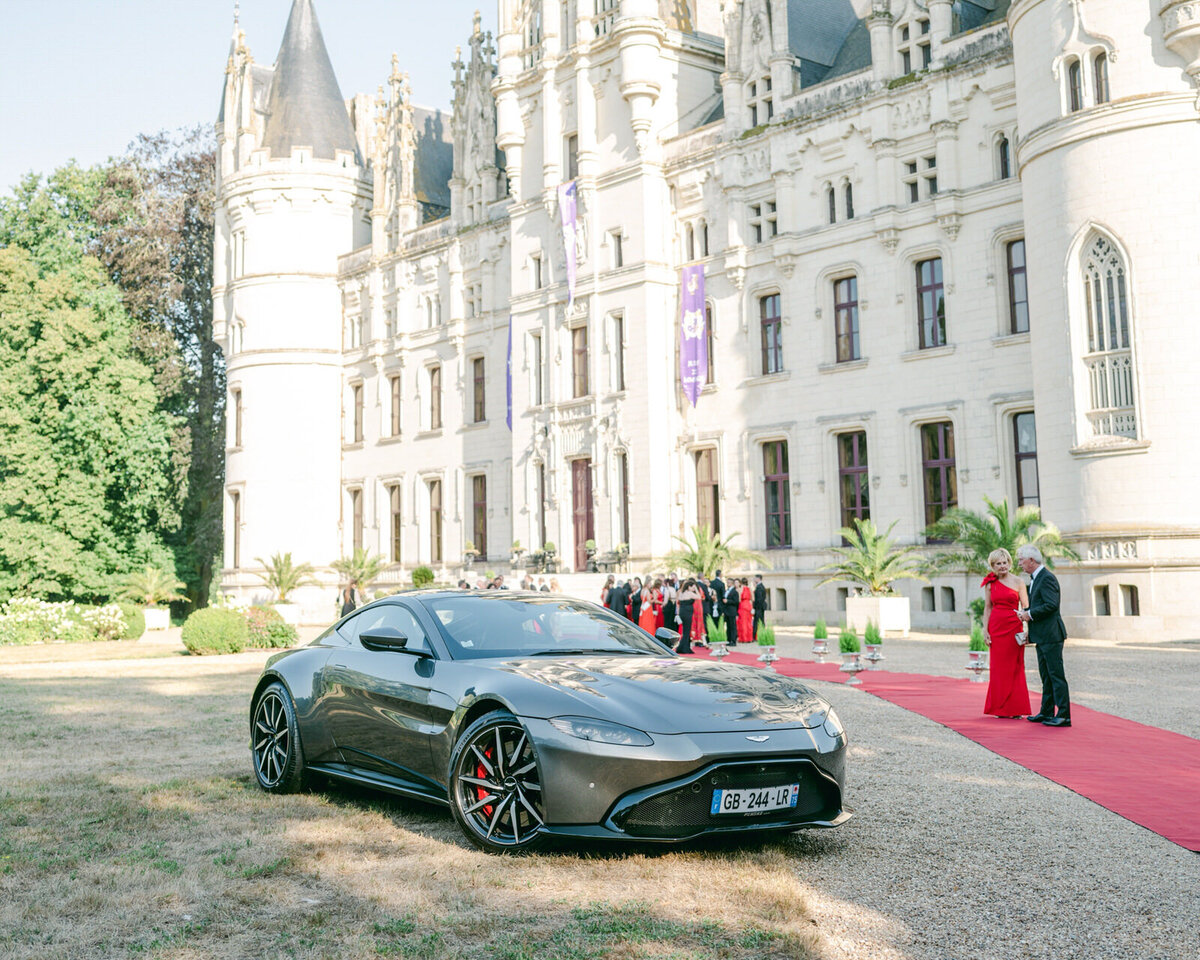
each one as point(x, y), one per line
point(1074, 85)
point(704, 238)
point(1004, 157)
point(1100, 77)
point(1109, 357)
point(831, 200)
point(848, 193)
point(689, 241)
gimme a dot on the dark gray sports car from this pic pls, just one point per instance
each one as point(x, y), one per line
point(532, 715)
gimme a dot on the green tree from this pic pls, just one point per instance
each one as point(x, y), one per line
point(283, 575)
point(976, 534)
point(707, 551)
point(872, 560)
point(361, 567)
point(86, 480)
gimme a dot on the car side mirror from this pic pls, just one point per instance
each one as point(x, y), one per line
point(669, 637)
point(383, 638)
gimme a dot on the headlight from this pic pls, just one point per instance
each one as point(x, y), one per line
point(601, 731)
point(833, 726)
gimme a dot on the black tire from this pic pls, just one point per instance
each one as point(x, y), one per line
point(275, 741)
point(497, 805)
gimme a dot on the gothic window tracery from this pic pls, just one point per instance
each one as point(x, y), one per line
point(1109, 354)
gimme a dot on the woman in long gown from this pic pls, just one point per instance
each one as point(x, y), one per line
point(745, 618)
point(699, 630)
point(686, 600)
point(1003, 594)
point(651, 607)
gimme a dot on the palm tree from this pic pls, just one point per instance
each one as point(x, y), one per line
point(872, 560)
point(976, 535)
point(707, 552)
point(151, 587)
point(283, 576)
point(360, 567)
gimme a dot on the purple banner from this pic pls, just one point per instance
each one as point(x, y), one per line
point(693, 337)
point(566, 210)
point(508, 375)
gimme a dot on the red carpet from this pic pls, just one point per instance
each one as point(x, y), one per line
point(1142, 773)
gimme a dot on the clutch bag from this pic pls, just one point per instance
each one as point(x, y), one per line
point(1022, 638)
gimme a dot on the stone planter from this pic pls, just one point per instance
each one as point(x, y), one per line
point(290, 612)
point(768, 654)
point(852, 664)
point(977, 664)
point(157, 618)
point(890, 614)
point(873, 656)
point(820, 649)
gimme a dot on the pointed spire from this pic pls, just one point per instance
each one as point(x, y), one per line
point(305, 108)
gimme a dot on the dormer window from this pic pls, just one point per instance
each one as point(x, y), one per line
point(759, 99)
point(914, 46)
point(763, 223)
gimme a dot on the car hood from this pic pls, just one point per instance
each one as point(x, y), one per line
point(669, 695)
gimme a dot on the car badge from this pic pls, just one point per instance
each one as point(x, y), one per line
point(759, 739)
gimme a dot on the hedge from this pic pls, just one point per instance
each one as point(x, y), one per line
point(213, 630)
point(267, 628)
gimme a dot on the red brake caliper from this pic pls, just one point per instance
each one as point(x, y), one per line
point(482, 774)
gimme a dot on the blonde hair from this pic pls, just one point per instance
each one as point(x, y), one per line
point(999, 554)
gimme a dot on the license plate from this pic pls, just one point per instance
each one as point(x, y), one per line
point(754, 800)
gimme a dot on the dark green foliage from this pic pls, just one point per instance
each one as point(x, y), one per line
point(422, 576)
point(215, 630)
point(135, 621)
point(267, 628)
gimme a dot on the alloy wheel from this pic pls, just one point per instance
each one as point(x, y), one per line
point(272, 739)
point(498, 791)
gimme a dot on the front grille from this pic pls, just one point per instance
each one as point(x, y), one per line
point(682, 810)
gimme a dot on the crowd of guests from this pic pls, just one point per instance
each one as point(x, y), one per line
point(685, 605)
point(497, 583)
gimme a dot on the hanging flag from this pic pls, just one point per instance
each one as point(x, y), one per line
point(566, 211)
point(508, 375)
point(693, 337)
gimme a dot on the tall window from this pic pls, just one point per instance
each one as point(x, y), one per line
point(689, 242)
point(358, 412)
point(853, 483)
point(759, 99)
point(1018, 291)
point(848, 194)
point(617, 248)
point(235, 520)
point(535, 363)
point(831, 202)
point(1004, 157)
point(1100, 76)
point(1025, 452)
point(937, 469)
point(571, 157)
point(395, 528)
point(394, 391)
point(435, 521)
point(541, 504)
point(708, 490)
point(237, 416)
point(435, 398)
point(931, 303)
point(776, 494)
point(1110, 357)
point(606, 15)
point(535, 271)
point(772, 334)
point(479, 383)
point(479, 514)
point(623, 490)
point(704, 238)
point(845, 313)
point(618, 352)
point(579, 361)
point(1074, 85)
point(356, 518)
point(709, 373)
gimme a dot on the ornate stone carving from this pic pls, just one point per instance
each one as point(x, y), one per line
point(889, 237)
point(951, 223)
point(1112, 550)
point(1181, 31)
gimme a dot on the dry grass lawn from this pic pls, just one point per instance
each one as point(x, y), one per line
point(130, 826)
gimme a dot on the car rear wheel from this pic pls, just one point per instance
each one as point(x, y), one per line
point(275, 742)
point(495, 785)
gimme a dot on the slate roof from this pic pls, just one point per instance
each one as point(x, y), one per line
point(433, 162)
point(817, 32)
point(305, 106)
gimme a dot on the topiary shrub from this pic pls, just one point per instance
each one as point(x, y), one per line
point(821, 630)
point(766, 635)
point(871, 633)
point(212, 630)
point(715, 633)
point(422, 576)
point(848, 641)
point(135, 621)
point(978, 641)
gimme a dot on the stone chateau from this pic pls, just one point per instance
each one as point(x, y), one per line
point(948, 251)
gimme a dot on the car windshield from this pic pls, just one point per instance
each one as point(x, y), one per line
point(476, 627)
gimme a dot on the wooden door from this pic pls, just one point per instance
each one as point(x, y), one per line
point(581, 497)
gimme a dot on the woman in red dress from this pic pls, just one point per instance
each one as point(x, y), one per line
point(1003, 594)
point(651, 607)
point(745, 619)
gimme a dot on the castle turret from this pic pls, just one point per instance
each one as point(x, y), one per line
point(1109, 130)
point(293, 195)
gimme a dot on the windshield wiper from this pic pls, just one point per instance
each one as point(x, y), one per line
point(623, 651)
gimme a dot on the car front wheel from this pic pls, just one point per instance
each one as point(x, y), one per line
point(495, 785)
point(275, 742)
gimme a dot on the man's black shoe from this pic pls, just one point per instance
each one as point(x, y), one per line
point(1056, 722)
point(1038, 718)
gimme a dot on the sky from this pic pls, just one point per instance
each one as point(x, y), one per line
point(82, 78)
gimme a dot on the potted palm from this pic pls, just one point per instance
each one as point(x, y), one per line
point(766, 640)
point(361, 567)
point(518, 552)
point(716, 638)
point(152, 588)
point(974, 535)
point(873, 562)
point(469, 553)
point(282, 576)
point(872, 640)
point(589, 547)
point(977, 653)
point(621, 554)
point(851, 650)
point(820, 645)
point(707, 551)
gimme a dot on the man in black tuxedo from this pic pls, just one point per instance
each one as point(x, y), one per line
point(760, 603)
point(717, 585)
point(1047, 631)
point(618, 596)
point(731, 610)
